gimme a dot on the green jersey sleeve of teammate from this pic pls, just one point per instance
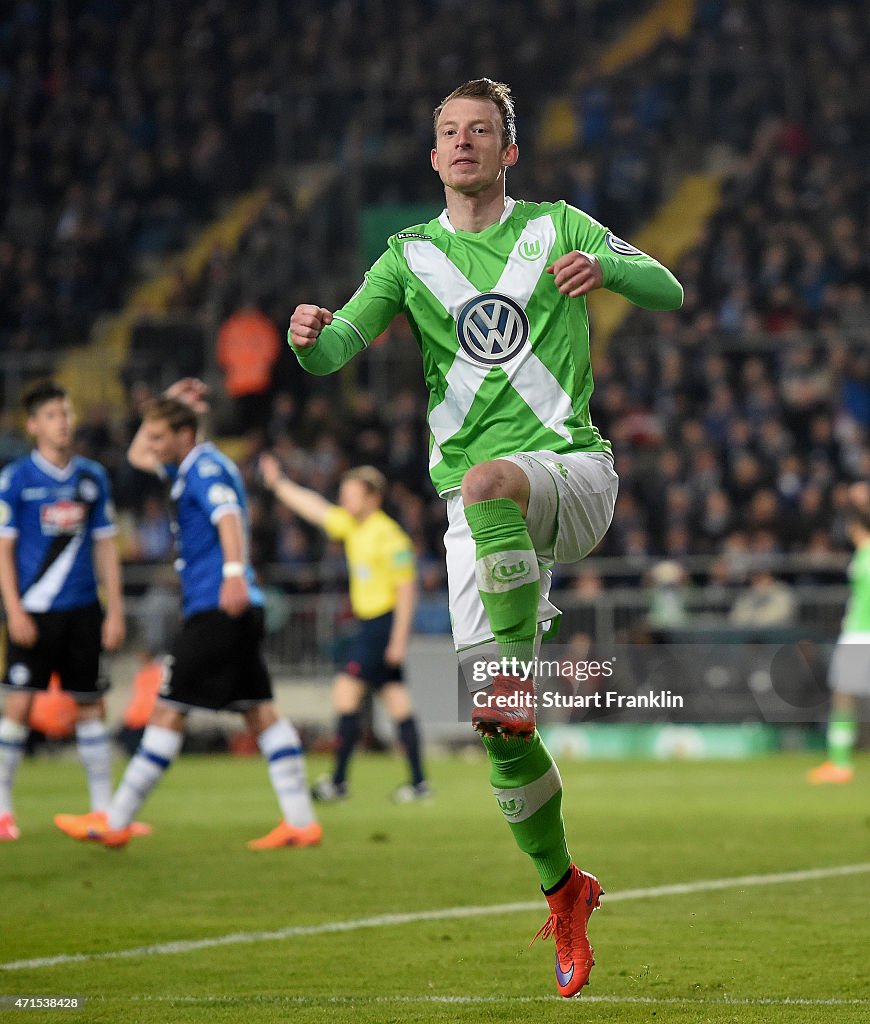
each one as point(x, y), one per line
point(505, 354)
point(857, 618)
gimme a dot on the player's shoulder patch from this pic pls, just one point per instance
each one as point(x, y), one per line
point(222, 494)
point(620, 246)
point(7, 476)
point(208, 467)
point(404, 236)
point(88, 489)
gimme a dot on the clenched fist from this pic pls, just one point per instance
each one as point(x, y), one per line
point(306, 324)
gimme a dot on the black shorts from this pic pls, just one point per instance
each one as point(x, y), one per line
point(365, 653)
point(217, 663)
point(69, 643)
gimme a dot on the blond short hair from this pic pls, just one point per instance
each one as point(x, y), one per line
point(487, 89)
point(373, 479)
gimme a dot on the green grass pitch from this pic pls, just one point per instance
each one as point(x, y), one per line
point(775, 951)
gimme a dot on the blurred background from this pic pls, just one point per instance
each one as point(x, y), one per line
point(177, 177)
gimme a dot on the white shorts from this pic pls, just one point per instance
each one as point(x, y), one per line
point(570, 508)
point(850, 665)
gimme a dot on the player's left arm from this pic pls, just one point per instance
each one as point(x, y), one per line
point(405, 581)
point(403, 619)
point(602, 260)
point(107, 562)
point(234, 597)
point(323, 341)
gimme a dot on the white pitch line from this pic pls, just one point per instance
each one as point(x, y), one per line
point(445, 914)
point(473, 1000)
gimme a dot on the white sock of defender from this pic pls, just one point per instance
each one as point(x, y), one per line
point(157, 751)
point(280, 746)
point(12, 739)
point(92, 740)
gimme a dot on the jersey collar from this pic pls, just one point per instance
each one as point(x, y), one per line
point(509, 205)
point(50, 469)
point(193, 455)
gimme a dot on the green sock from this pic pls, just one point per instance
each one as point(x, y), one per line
point(507, 572)
point(842, 734)
point(528, 788)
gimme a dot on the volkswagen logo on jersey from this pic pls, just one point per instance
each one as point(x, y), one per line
point(492, 328)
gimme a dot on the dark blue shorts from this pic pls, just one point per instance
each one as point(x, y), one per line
point(365, 653)
point(69, 644)
point(217, 662)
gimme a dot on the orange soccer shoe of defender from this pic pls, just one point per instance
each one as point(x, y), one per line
point(94, 827)
point(828, 772)
point(508, 708)
point(570, 910)
point(286, 834)
point(9, 831)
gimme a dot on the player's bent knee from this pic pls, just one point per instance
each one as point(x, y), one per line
point(496, 479)
point(167, 717)
point(260, 717)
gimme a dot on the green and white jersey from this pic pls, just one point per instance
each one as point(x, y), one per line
point(857, 618)
point(505, 355)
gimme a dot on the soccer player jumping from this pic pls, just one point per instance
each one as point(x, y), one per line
point(494, 290)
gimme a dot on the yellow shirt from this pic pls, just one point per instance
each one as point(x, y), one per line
point(380, 556)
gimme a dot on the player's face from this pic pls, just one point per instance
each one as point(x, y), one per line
point(52, 425)
point(356, 498)
point(163, 442)
point(469, 155)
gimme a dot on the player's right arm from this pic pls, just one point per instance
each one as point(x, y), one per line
point(140, 455)
point(304, 502)
point(190, 390)
point(21, 626)
point(325, 341)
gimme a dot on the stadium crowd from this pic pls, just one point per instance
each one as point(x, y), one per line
point(123, 129)
point(737, 422)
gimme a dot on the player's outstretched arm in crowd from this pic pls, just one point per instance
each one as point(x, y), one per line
point(304, 502)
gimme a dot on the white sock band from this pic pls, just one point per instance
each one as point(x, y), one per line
point(281, 747)
point(92, 739)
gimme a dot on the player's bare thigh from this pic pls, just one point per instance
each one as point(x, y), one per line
point(347, 694)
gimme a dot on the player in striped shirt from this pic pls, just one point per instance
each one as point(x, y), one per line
point(56, 526)
point(217, 661)
point(494, 291)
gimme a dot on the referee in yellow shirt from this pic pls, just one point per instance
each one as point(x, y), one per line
point(383, 593)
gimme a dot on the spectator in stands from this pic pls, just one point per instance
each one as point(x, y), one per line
point(768, 602)
point(247, 349)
